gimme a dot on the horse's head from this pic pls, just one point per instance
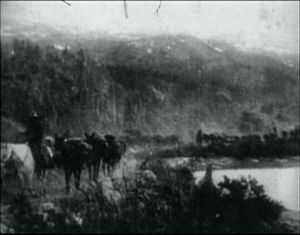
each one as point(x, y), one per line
point(122, 146)
point(89, 138)
point(94, 139)
point(59, 142)
point(110, 139)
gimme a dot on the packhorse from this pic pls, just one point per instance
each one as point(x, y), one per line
point(107, 151)
point(98, 152)
point(72, 155)
point(114, 152)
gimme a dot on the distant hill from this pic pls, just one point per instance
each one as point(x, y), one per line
point(167, 84)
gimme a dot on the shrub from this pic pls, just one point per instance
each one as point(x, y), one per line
point(172, 203)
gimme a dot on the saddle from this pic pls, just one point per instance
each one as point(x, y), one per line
point(42, 156)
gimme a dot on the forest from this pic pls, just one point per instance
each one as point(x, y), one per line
point(149, 86)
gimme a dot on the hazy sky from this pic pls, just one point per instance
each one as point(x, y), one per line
point(254, 23)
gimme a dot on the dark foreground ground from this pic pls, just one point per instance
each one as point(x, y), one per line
point(53, 188)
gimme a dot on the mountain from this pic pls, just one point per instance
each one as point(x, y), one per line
point(164, 84)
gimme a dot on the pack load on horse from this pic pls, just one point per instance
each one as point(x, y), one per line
point(41, 153)
point(72, 154)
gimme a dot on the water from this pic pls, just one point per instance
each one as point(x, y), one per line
point(281, 184)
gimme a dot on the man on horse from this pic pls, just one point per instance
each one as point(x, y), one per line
point(35, 133)
point(35, 128)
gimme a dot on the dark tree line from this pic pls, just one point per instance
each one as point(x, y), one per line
point(268, 145)
point(61, 85)
point(45, 80)
point(135, 137)
point(119, 86)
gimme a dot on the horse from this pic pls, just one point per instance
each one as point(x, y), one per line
point(72, 154)
point(43, 156)
point(114, 151)
point(98, 152)
point(18, 159)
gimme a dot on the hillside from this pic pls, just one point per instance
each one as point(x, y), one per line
point(158, 85)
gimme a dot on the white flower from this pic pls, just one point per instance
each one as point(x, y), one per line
point(77, 218)
point(225, 191)
point(47, 206)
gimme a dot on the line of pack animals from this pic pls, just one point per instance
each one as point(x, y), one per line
point(70, 154)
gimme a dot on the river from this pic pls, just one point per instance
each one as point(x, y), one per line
point(280, 184)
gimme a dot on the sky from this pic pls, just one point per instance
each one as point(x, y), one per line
point(252, 23)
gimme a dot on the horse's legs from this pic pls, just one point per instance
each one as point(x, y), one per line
point(96, 170)
point(67, 179)
point(45, 174)
point(113, 168)
point(105, 168)
point(90, 171)
point(109, 168)
point(42, 174)
point(77, 178)
point(38, 172)
point(22, 180)
point(28, 179)
point(93, 167)
point(102, 166)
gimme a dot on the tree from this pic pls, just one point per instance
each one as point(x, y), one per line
point(250, 123)
point(199, 137)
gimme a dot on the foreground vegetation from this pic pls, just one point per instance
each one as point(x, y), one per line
point(158, 199)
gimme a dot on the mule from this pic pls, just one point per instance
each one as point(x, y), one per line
point(22, 164)
point(98, 152)
point(114, 151)
point(72, 155)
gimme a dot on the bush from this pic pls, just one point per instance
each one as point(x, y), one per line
point(172, 203)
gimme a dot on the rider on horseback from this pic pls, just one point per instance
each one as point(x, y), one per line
point(35, 133)
point(35, 129)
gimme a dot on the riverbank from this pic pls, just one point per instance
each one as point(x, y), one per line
point(200, 163)
point(291, 219)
